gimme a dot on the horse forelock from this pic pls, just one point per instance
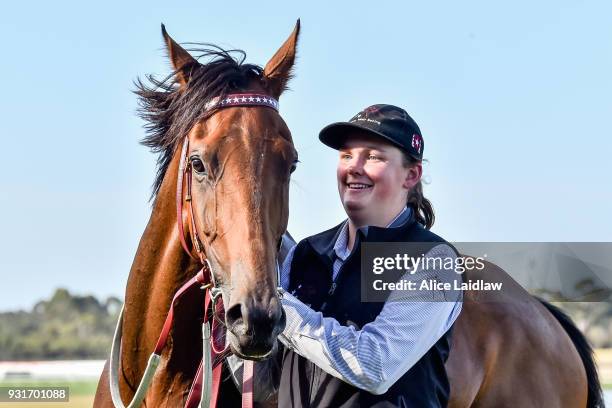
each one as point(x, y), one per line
point(170, 111)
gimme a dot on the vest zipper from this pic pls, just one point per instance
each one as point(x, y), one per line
point(334, 284)
point(330, 292)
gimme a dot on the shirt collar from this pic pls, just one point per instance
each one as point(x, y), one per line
point(340, 247)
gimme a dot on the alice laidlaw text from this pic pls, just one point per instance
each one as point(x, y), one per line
point(434, 284)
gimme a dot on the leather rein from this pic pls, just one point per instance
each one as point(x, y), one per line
point(205, 387)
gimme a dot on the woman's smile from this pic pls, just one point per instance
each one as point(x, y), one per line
point(358, 186)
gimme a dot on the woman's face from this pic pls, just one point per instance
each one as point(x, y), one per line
point(372, 179)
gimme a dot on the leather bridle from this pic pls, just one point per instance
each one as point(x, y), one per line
point(205, 387)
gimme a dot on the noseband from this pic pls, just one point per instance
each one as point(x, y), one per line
point(205, 386)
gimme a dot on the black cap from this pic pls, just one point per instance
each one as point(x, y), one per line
point(387, 121)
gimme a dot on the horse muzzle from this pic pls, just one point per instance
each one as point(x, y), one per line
point(252, 327)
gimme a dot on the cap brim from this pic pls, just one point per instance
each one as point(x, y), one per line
point(334, 135)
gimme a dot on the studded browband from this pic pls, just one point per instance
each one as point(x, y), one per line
point(242, 99)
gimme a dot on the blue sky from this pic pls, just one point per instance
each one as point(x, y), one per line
point(513, 100)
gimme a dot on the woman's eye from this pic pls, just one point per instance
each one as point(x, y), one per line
point(373, 157)
point(197, 165)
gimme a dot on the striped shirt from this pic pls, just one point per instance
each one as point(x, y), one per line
point(374, 357)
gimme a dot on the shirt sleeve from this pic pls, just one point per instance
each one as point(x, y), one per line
point(376, 356)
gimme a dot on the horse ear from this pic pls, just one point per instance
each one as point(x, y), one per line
point(182, 62)
point(278, 70)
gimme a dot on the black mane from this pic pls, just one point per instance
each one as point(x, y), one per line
point(170, 114)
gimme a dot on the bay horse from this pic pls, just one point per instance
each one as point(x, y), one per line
point(511, 349)
point(239, 160)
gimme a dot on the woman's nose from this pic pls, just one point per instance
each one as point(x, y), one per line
point(355, 167)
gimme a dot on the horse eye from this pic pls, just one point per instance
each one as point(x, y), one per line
point(197, 165)
point(293, 166)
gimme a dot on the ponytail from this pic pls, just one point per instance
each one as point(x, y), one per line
point(421, 206)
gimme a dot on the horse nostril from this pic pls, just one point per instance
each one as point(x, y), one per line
point(233, 315)
point(257, 326)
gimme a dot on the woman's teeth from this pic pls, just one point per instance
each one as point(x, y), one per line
point(358, 186)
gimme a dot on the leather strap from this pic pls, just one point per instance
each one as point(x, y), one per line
point(183, 168)
point(216, 383)
point(242, 99)
point(192, 226)
point(247, 384)
point(217, 310)
point(193, 398)
point(195, 392)
point(163, 336)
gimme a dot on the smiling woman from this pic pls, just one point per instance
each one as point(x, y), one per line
point(382, 137)
point(343, 351)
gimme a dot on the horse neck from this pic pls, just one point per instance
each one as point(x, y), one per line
point(159, 269)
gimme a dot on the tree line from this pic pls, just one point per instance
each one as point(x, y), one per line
point(81, 327)
point(63, 327)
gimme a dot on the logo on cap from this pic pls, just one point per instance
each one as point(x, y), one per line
point(417, 142)
point(371, 109)
point(361, 118)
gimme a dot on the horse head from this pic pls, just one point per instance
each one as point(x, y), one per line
point(238, 160)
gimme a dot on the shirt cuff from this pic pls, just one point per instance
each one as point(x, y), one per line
point(296, 313)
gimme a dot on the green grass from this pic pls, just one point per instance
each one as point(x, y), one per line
point(78, 401)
